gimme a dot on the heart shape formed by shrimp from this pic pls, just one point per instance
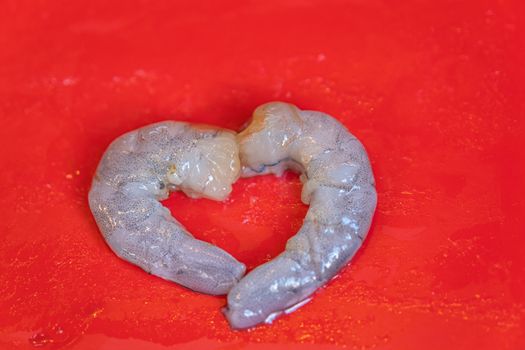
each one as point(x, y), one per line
point(141, 167)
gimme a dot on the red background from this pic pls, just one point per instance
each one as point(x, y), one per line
point(434, 89)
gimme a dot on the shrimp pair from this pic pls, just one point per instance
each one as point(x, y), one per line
point(141, 167)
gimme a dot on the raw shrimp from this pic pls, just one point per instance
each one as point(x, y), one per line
point(339, 186)
point(139, 169)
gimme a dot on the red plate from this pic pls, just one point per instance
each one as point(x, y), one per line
point(434, 89)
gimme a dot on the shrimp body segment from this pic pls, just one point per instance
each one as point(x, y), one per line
point(339, 186)
point(138, 170)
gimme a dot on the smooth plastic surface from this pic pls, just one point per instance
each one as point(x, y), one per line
point(434, 90)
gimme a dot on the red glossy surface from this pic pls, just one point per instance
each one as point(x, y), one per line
point(434, 89)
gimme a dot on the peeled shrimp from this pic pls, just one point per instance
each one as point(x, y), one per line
point(142, 167)
point(339, 186)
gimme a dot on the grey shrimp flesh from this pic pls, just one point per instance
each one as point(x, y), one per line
point(138, 170)
point(339, 186)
